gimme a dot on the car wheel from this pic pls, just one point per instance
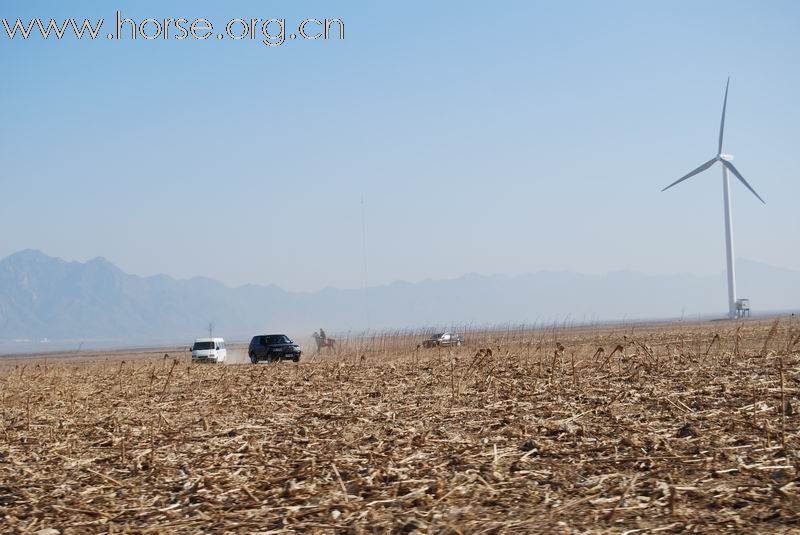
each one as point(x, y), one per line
point(253, 358)
point(296, 358)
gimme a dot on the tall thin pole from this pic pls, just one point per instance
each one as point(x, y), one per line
point(364, 251)
point(729, 244)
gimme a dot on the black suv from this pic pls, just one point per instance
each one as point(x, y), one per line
point(273, 347)
point(443, 339)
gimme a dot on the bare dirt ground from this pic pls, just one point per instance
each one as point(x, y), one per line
point(645, 430)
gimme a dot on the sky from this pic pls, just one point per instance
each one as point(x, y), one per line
point(436, 139)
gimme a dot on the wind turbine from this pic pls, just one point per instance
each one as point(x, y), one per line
point(725, 160)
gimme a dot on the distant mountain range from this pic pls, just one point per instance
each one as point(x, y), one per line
point(46, 297)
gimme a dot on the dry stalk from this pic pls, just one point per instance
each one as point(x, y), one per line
point(773, 330)
point(341, 483)
point(169, 376)
point(783, 406)
point(715, 339)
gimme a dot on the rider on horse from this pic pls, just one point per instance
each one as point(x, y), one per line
point(323, 341)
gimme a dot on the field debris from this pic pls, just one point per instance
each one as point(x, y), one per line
point(608, 429)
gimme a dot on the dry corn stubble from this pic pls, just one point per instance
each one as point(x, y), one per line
point(685, 427)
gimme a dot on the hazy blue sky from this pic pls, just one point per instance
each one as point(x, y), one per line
point(490, 137)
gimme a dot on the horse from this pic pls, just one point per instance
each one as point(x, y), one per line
point(324, 342)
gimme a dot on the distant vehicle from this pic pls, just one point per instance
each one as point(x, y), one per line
point(209, 350)
point(272, 348)
point(443, 339)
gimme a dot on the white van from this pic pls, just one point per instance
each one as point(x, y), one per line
point(209, 350)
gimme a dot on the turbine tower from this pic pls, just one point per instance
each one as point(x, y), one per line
point(725, 160)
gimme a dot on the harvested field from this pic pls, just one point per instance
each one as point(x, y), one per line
point(668, 429)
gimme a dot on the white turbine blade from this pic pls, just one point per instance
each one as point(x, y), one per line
point(736, 172)
point(722, 122)
point(700, 169)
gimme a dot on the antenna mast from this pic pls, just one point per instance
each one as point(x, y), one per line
point(364, 250)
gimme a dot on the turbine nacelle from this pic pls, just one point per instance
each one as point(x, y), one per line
point(726, 157)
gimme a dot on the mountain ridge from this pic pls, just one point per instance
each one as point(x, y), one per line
point(43, 296)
